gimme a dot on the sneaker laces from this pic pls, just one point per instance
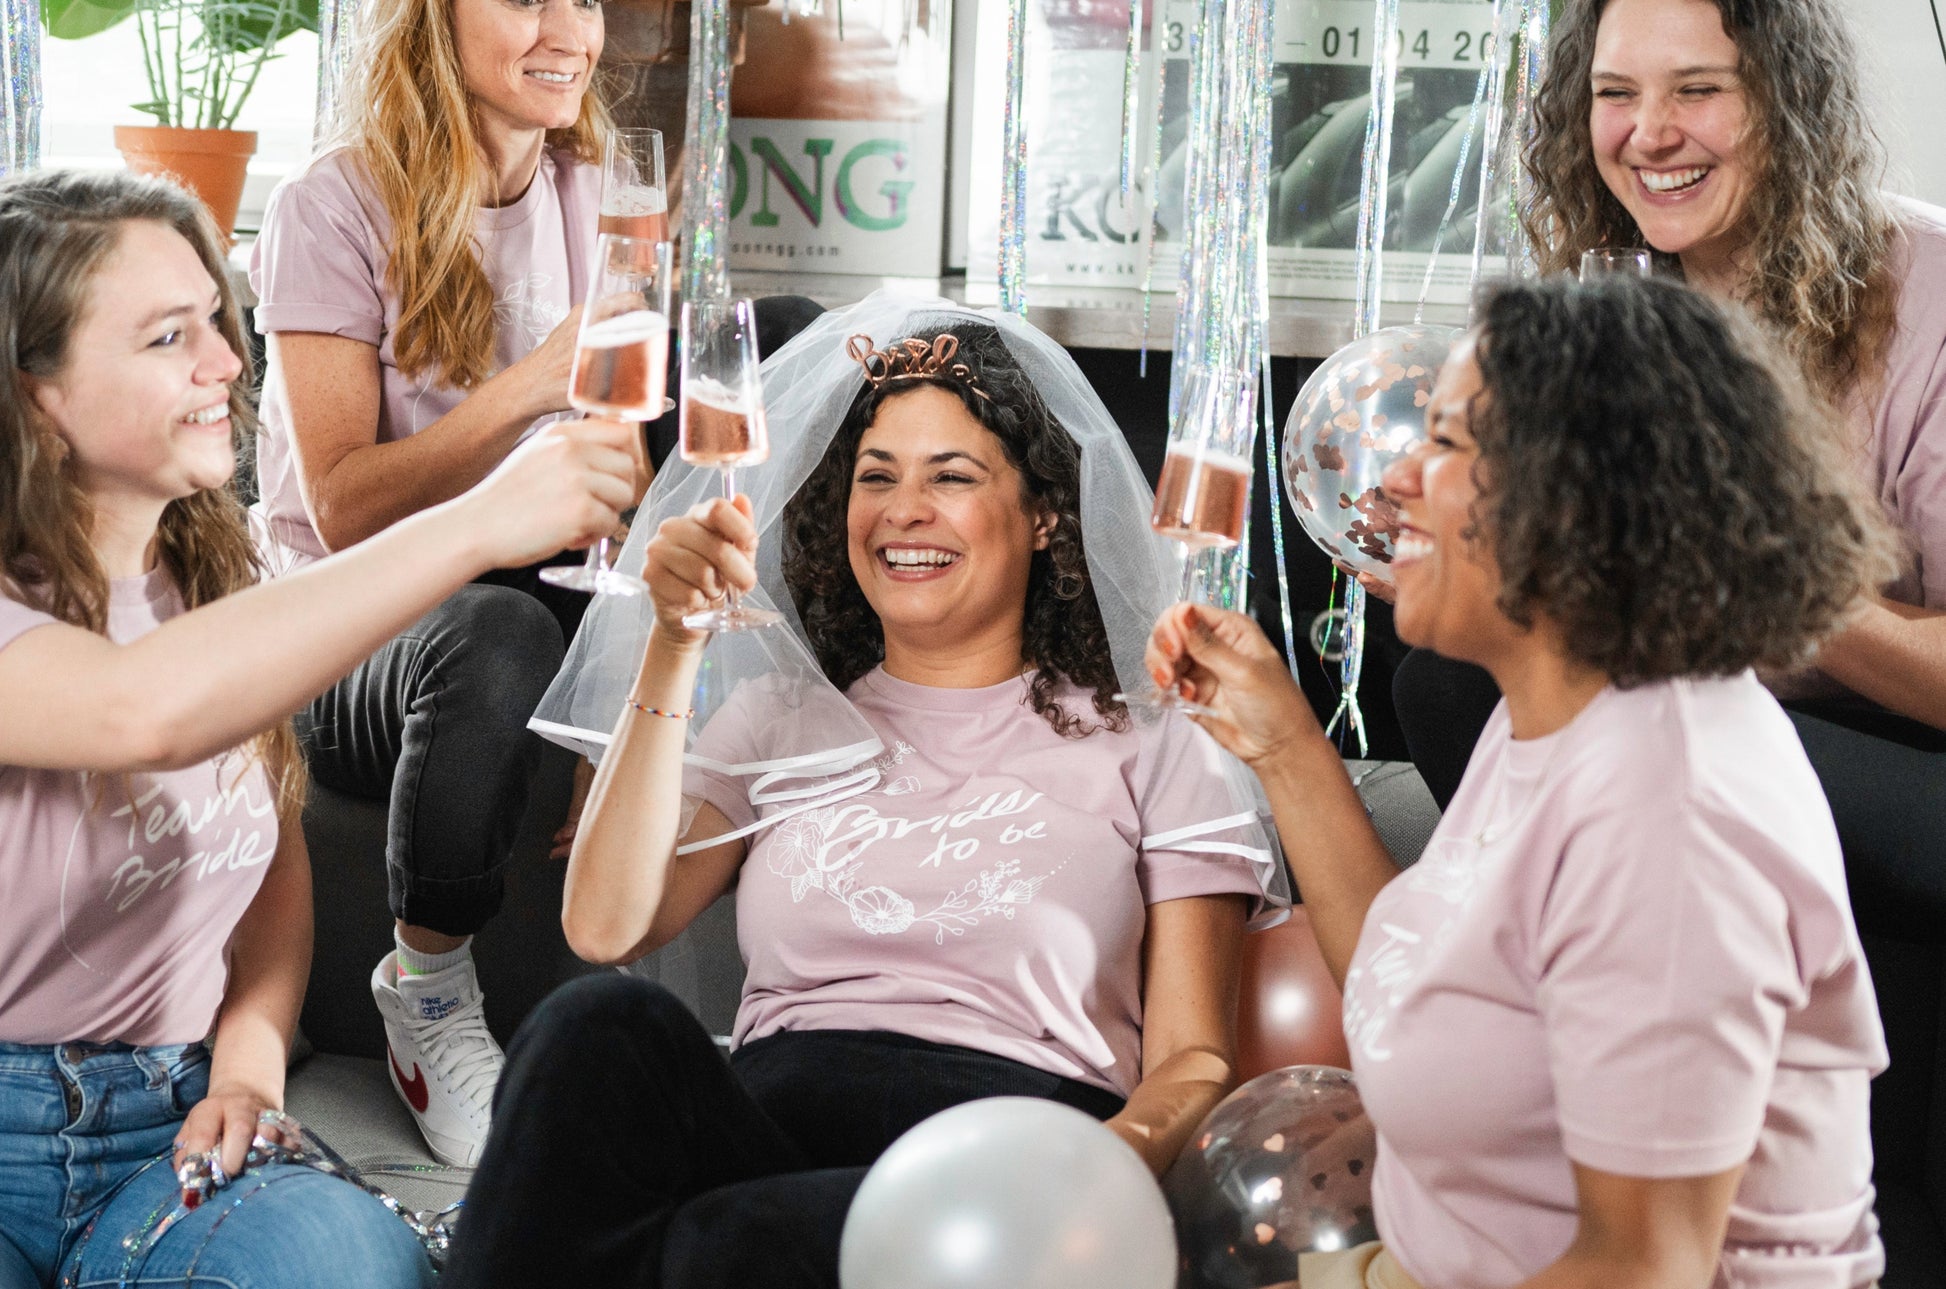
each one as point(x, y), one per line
point(462, 1052)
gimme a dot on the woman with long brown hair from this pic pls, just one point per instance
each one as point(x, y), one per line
point(1731, 138)
point(418, 286)
point(155, 898)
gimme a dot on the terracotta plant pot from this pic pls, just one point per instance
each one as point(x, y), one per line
point(210, 163)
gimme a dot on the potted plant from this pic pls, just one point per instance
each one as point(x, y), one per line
point(203, 58)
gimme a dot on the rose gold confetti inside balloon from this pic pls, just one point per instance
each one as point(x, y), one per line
point(1282, 1167)
point(1362, 409)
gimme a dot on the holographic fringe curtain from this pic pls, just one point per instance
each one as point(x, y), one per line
point(1372, 220)
point(706, 155)
point(1013, 167)
point(20, 107)
point(1223, 297)
point(336, 20)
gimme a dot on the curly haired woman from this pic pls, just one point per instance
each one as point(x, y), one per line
point(1732, 139)
point(1615, 1027)
point(1013, 907)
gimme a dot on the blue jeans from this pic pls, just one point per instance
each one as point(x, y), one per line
point(86, 1133)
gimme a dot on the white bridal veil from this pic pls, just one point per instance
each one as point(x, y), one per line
point(820, 749)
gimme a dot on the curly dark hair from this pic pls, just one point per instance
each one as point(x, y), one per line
point(1822, 263)
point(1062, 633)
point(1657, 480)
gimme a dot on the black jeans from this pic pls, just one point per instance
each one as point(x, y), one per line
point(435, 724)
point(1884, 775)
point(627, 1153)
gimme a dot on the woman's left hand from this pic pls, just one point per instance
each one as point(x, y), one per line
point(228, 1119)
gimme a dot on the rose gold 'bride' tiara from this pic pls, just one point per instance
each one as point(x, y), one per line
point(913, 359)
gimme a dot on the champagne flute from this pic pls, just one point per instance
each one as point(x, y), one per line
point(1606, 261)
point(723, 420)
point(621, 366)
point(1203, 493)
point(634, 190)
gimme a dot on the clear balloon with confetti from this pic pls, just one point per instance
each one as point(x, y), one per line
point(1283, 1167)
point(1362, 409)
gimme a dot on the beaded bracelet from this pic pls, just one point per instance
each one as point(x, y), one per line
point(657, 711)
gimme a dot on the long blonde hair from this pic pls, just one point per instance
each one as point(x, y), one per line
point(412, 126)
point(1822, 270)
point(57, 230)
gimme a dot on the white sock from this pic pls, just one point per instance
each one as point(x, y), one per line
point(414, 963)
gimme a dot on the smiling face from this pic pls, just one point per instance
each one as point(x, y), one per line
point(1668, 122)
point(1448, 583)
point(526, 63)
point(940, 531)
point(143, 399)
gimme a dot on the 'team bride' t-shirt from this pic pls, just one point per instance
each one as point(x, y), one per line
point(989, 892)
point(118, 893)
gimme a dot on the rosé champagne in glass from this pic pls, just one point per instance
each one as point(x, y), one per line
point(1203, 493)
point(634, 192)
point(621, 366)
point(723, 420)
point(720, 429)
point(1201, 497)
point(621, 369)
point(638, 212)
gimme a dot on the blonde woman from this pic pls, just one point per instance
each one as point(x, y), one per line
point(418, 286)
point(155, 894)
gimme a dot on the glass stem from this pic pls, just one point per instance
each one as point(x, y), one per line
point(598, 556)
point(730, 495)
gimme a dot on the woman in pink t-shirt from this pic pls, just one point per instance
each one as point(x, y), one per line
point(1023, 893)
point(1615, 1027)
point(155, 898)
point(417, 287)
point(1733, 140)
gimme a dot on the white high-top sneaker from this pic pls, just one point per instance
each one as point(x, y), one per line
point(443, 1061)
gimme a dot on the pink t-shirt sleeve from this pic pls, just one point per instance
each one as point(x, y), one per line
point(315, 263)
point(730, 738)
point(1181, 792)
point(1666, 973)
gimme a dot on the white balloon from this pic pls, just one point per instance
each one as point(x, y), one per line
point(1009, 1193)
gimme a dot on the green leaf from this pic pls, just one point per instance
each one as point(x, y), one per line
point(247, 26)
point(79, 19)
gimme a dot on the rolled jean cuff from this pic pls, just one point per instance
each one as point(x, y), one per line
point(448, 905)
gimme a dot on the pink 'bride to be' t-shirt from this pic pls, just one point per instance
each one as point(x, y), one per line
point(1628, 945)
point(990, 891)
point(121, 891)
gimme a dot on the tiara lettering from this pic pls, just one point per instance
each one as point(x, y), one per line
point(913, 359)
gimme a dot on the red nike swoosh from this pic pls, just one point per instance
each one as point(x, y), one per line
point(412, 1089)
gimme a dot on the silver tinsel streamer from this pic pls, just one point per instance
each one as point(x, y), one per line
point(1490, 60)
point(1013, 168)
point(706, 155)
point(336, 22)
point(20, 108)
point(1520, 37)
point(1131, 93)
point(1365, 318)
point(337, 30)
point(1222, 301)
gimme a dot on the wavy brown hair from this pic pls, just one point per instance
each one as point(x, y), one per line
point(1657, 480)
point(57, 231)
point(1821, 262)
point(1062, 634)
point(410, 121)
